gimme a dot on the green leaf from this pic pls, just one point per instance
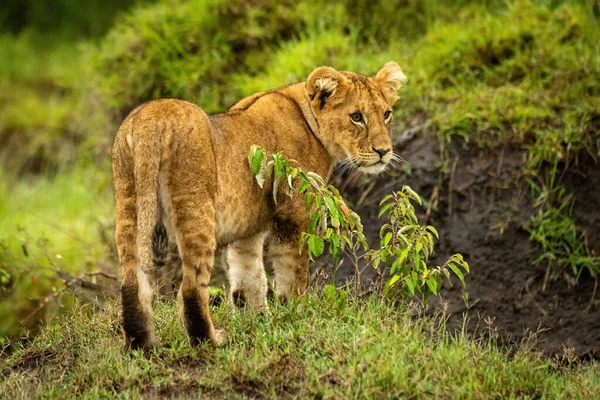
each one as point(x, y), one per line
point(303, 187)
point(430, 241)
point(446, 273)
point(457, 271)
point(335, 221)
point(335, 239)
point(316, 244)
point(411, 214)
point(346, 238)
point(393, 281)
point(403, 256)
point(465, 265)
point(257, 160)
point(412, 194)
point(331, 206)
point(383, 229)
point(383, 254)
point(395, 265)
point(417, 258)
point(316, 177)
point(415, 278)
point(432, 283)
point(410, 285)
point(384, 209)
point(433, 230)
point(313, 223)
point(278, 165)
point(375, 262)
point(309, 200)
point(386, 198)
point(387, 238)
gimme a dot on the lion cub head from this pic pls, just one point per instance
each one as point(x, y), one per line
point(354, 113)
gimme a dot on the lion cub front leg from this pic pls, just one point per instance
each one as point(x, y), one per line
point(247, 279)
point(290, 267)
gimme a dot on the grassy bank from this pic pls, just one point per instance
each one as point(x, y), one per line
point(324, 347)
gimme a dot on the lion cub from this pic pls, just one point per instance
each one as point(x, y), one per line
point(177, 167)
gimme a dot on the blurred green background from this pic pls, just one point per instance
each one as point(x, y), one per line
point(482, 73)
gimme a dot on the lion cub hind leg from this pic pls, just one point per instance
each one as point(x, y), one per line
point(247, 278)
point(192, 214)
point(136, 292)
point(290, 267)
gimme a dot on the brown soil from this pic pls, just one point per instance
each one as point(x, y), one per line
point(481, 208)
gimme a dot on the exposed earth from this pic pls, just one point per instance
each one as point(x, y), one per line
point(481, 209)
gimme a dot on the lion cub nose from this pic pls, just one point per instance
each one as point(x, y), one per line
point(382, 152)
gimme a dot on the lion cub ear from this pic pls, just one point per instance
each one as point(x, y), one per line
point(390, 79)
point(322, 84)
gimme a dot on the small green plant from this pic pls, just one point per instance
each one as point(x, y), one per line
point(405, 246)
point(564, 246)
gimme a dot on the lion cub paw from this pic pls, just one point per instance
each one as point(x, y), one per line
point(146, 346)
point(221, 337)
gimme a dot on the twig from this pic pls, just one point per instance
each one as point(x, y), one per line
point(377, 194)
point(350, 179)
point(101, 273)
point(432, 202)
point(365, 193)
point(500, 161)
point(450, 186)
point(49, 299)
point(593, 295)
point(71, 281)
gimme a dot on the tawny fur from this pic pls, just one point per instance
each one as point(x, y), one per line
point(175, 166)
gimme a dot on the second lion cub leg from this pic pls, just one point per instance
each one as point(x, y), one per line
point(192, 215)
point(247, 279)
point(290, 267)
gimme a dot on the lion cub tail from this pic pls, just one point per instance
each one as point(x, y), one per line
point(146, 169)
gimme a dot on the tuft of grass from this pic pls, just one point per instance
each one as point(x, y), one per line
point(564, 246)
point(326, 347)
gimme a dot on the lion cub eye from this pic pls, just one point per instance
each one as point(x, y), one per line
point(387, 115)
point(356, 117)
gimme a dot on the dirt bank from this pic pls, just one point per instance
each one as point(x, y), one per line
point(481, 208)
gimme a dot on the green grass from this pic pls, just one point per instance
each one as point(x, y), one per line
point(564, 246)
point(325, 347)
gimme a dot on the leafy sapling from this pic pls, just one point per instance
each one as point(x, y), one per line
point(405, 246)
